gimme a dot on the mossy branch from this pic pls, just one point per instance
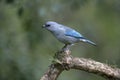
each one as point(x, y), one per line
point(64, 61)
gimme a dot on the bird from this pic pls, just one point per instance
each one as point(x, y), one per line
point(65, 34)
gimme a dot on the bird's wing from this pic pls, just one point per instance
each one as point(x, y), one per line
point(73, 33)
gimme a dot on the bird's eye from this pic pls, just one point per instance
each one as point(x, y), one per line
point(47, 25)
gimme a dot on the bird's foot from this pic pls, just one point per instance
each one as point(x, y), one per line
point(65, 48)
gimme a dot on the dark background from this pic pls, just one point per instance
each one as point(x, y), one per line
point(26, 49)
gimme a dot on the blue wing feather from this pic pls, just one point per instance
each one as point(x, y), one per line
point(73, 33)
point(76, 34)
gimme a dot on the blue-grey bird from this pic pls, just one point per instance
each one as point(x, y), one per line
point(65, 34)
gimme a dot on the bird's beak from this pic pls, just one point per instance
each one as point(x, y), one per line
point(43, 26)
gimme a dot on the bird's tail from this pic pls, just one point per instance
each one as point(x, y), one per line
point(88, 41)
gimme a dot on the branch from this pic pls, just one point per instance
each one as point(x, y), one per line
point(64, 61)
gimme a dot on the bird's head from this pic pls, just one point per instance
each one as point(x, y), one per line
point(51, 26)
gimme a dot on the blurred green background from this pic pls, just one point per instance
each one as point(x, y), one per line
point(26, 49)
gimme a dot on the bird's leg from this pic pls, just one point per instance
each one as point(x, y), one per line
point(66, 47)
